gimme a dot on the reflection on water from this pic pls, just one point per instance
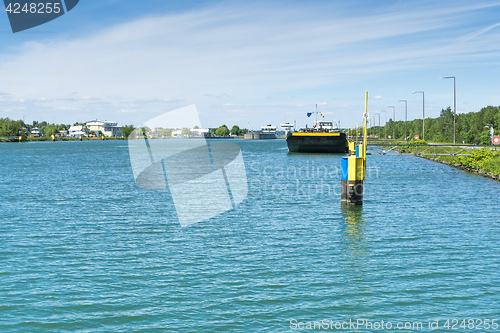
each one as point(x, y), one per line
point(353, 230)
point(355, 254)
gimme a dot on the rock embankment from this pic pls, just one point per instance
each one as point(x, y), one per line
point(465, 168)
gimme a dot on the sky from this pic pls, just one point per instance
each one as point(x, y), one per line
point(252, 63)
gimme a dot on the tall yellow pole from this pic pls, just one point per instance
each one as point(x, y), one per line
point(366, 129)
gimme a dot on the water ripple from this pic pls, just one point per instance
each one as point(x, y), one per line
point(85, 250)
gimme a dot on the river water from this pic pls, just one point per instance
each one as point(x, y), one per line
point(84, 249)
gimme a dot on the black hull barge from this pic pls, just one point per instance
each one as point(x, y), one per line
point(319, 142)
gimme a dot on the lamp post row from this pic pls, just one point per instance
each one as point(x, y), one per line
point(423, 112)
point(406, 113)
point(393, 121)
point(377, 114)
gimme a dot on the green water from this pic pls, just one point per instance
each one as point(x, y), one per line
point(84, 249)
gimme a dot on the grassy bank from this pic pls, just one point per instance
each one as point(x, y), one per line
point(484, 162)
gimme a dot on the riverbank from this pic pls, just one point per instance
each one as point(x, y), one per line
point(44, 139)
point(28, 139)
point(483, 162)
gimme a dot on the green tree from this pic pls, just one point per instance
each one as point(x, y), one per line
point(186, 132)
point(222, 131)
point(10, 127)
point(127, 130)
point(50, 130)
point(166, 132)
point(485, 138)
point(235, 130)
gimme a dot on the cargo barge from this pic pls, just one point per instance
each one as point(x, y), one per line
point(322, 138)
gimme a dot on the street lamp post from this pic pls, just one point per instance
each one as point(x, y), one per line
point(377, 114)
point(393, 121)
point(454, 103)
point(406, 113)
point(423, 113)
point(385, 123)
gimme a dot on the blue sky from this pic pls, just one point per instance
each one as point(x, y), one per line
point(251, 64)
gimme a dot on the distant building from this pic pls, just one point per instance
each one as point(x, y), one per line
point(285, 129)
point(62, 134)
point(177, 133)
point(268, 129)
point(266, 132)
point(107, 128)
point(77, 131)
point(200, 132)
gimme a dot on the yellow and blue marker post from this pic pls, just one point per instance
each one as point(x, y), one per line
point(354, 168)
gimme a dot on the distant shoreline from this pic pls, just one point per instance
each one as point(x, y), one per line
point(67, 139)
point(16, 140)
point(44, 139)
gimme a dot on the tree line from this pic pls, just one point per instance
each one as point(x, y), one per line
point(224, 131)
point(221, 131)
point(471, 128)
point(15, 128)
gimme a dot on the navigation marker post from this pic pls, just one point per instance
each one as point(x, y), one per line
point(354, 168)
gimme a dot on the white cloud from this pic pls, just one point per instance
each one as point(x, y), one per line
point(234, 52)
